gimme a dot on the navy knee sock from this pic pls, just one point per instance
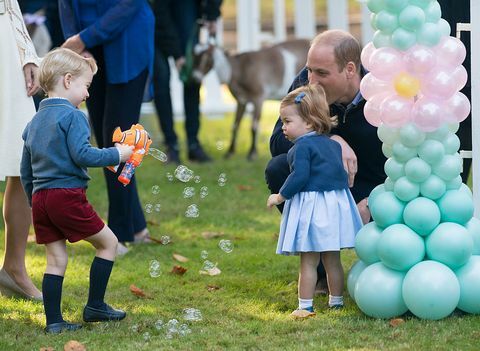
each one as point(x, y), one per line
point(99, 276)
point(52, 297)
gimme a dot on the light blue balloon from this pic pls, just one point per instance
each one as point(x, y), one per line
point(411, 18)
point(411, 136)
point(473, 228)
point(386, 22)
point(389, 184)
point(422, 215)
point(456, 206)
point(454, 184)
point(395, 6)
point(400, 248)
point(387, 150)
point(403, 39)
point(378, 292)
point(373, 18)
point(353, 275)
point(433, 187)
point(366, 243)
point(433, 12)
point(453, 127)
point(375, 5)
point(387, 210)
point(394, 169)
point(443, 27)
point(465, 189)
point(405, 189)
point(379, 189)
point(431, 290)
point(451, 143)
point(450, 244)
point(421, 3)
point(448, 168)
point(469, 279)
point(440, 133)
point(381, 40)
point(403, 153)
point(387, 135)
point(431, 151)
point(429, 34)
point(417, 170)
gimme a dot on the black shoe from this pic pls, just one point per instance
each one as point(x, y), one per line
point(57, 328)
point(173, 155)
point(197, 154)
point(107, 313)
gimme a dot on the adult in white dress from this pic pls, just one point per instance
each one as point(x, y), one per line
point(18, 82)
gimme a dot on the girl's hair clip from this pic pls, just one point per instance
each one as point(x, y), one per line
point(299, 97)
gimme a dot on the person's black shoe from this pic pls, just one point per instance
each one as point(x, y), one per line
point(197, 154)
point(57, 328)
point(173, 155)
point(107, 313)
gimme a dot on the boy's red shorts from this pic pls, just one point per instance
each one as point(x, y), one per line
point(63, 214)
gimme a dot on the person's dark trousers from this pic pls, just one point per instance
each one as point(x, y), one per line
point(276, 173)
point(110, 106)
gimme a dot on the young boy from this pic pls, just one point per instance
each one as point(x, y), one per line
point(56, 154)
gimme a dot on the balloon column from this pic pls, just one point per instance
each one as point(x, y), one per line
point(421, 253)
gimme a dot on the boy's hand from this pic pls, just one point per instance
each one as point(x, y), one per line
point(125, 151)
point(275, 199)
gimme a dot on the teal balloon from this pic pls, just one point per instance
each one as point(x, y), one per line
point(403, 39)
point(443, 27)
point(386, 22)
point(454, 184)
point(400, 248)
point(448, 168)
point(378, 292)
point(440, 133)
point(433, 187)
point(366, 243)
point(403, 153)
point(395, 6)
point(456, 206)
point(373, 18)
point(411, 136)
point(451, 143)
point(429, 34)
point(421, 3)
point(433, 12)
point(469, 279)
point(375, 5)
point(411, 18)
point(353, 275)
point(389, 184)
point(417, 170)
point(473, 228)
point(405, 189)
point(450, 244)
point(431, 151)
point(453, 127)
point(387, 135)
point(465, 189)
point(387, 210)
point(422, 215)
point(431, 290)
point(394, 169)
point(387, 150)
point(379, 189)
point(381, 39)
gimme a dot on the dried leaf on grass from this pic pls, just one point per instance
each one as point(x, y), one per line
point(395, 322)
point(212, 235)
point(74, 345)
point(158, 241)
point(138, 292)
point(212, 287)
point(48, 348)
point(178, 270)
point(212, 271)
point(242, 187)
point(180, 258)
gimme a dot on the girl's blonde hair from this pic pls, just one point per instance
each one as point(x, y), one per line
point(312, 107)
point(59, 62)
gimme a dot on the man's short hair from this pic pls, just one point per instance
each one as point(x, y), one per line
point(345, 47)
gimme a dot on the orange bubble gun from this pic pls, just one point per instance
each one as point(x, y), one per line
point(137, 137)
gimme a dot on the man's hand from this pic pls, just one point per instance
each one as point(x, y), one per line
point(275, 199)
point(364, 210)
point(74, 43)
point(179, 63)
point(348, 157)
point(30, 71)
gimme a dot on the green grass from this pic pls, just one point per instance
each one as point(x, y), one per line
point(257, 291)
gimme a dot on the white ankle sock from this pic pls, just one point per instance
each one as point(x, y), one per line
point(305, 303)
point(335, 300)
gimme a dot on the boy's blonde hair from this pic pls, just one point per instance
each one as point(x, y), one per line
point(312, 107)
point(57, 63)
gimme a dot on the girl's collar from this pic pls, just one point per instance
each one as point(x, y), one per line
point(309, 134)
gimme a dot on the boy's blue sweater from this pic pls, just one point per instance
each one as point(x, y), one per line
point(57, 149)
point(315, 164)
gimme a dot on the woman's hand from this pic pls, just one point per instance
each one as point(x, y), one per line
point(30, 71)
point(275, 199)
point(74, 43)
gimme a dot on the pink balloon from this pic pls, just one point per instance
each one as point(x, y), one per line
point(450, 51)
point(396, 110)
point(440, 83)
point(386, 62)
point(420, 60)
point(457, 108)
point(460, 77)
point(427, 114)
point(371, 86)
point(371, 110)
point(366, 54)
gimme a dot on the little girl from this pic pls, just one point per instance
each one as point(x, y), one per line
point(320, 216)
